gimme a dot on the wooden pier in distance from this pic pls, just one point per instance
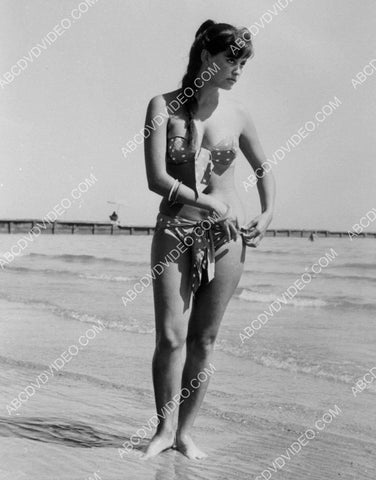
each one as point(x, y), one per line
point(93, 228)
point(106, 228)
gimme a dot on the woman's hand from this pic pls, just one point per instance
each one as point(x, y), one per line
point(256, 229)
point(226, 218)
point(217, 207)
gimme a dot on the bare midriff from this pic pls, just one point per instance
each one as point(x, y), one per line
point(221, 186)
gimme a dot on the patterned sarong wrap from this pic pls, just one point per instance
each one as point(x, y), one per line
point(203, 238)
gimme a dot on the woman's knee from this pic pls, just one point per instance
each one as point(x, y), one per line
point(201, 344)
point(170, 340)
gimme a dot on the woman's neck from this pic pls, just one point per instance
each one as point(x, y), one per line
point(207, 96)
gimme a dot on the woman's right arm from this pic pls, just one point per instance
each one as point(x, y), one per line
point(159, 181)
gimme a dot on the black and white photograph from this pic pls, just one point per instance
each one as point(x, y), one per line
point(187, 240)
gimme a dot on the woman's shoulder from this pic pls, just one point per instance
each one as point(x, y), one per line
point(243, 112)
point(164, 99)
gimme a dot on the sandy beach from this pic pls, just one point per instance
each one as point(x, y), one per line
point(264, 395)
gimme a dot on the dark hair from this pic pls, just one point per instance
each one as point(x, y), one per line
point(215, 38)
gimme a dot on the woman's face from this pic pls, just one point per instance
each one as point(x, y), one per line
point(228, 71)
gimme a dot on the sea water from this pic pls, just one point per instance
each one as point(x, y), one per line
point(267, 389)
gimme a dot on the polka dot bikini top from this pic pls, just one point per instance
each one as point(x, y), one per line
point(178, 152)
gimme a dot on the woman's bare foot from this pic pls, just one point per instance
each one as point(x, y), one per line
point(187, 447)
point(159, 443)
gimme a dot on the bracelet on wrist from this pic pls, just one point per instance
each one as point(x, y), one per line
point(173, 192)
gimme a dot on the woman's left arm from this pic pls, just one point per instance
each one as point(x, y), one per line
point(250, 146)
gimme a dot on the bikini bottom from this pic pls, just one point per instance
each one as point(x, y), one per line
point(203, 238)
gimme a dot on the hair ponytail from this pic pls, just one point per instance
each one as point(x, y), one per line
point(193, 68)
point(204, 26)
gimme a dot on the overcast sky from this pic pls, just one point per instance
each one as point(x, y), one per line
point(72, 109)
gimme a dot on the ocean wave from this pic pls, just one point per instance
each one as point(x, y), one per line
point(362, 266)
point(364, 278)
point(123, 323)
point(252, 296)
point(275, 273)
point(356, 303)
point(89, 276)
point(335, 301)
point(87, 259)
point(65, 373)
point(274, 252)
point(131, 325)
point(106, 277)
point(290, 364)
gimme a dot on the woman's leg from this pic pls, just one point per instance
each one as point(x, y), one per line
point(172, 297)
point(208, 309)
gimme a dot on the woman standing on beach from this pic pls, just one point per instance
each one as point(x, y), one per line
point(190, 163)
